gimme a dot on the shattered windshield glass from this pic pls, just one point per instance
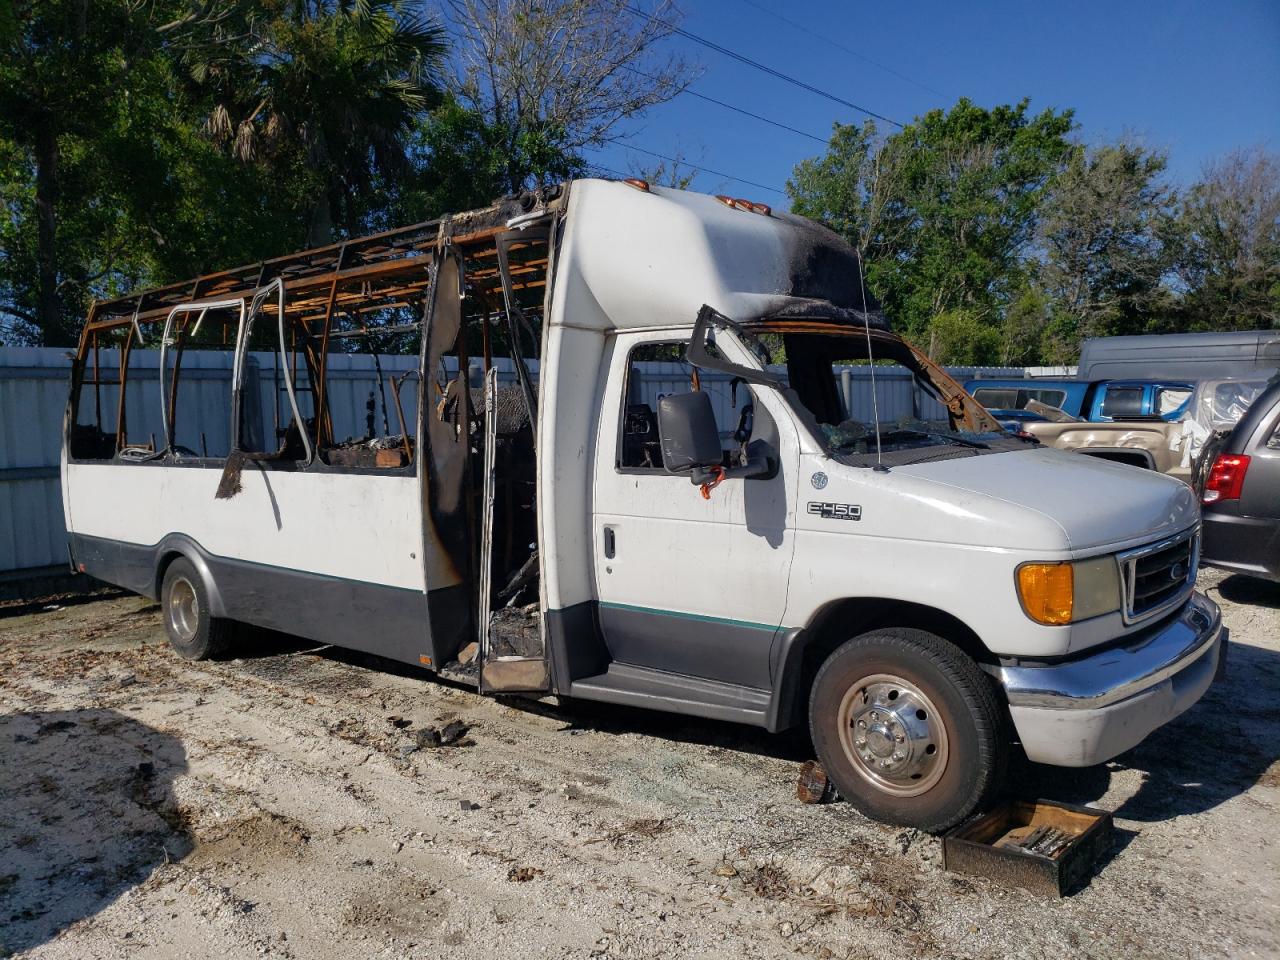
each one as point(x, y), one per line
point(828, 378)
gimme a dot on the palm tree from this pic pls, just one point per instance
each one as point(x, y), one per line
point(324, 92)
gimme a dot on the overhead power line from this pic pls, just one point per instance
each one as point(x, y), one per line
point(840, 46)
point(765, 68)
point(694, 166)
point(736, 109)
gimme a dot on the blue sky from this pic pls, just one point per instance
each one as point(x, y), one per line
point(1196, 79)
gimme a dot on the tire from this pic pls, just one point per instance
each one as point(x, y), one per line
point(193, 632)
point(909, 729)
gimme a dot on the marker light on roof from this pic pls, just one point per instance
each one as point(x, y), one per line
point(637, 183)
point(748, 205)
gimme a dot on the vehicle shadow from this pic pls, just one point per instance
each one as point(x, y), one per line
point(1250, 590)
point(86, 813)
point(1184, 766)
point(613, 718)
point(1215, 751)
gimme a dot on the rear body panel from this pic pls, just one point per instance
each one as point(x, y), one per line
point(1244, 535)
point(1154, 444)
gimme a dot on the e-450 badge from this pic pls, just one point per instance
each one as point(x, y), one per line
point(835, 511)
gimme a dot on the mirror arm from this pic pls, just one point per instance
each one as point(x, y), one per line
point(757, 466)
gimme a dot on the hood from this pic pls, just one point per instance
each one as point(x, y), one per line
point(1097, 503)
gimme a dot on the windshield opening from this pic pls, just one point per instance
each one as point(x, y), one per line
point(827, 379)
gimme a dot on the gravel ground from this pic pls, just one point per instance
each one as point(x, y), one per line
point(279, 805)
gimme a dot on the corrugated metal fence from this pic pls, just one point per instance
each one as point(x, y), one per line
point(33, 398)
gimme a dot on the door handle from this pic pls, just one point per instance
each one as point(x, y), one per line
point(610, 544)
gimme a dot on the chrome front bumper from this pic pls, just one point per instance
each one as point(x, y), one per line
point(1088, 710)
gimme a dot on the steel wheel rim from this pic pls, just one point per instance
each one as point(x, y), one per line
point(893, 735)
point(183, 609)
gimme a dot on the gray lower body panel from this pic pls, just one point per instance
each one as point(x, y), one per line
point(374, 618)
point(1249, 545)
point(721, 651)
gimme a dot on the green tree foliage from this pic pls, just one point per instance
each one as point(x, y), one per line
point(148, 142)
point(57, 59)
point(991, 237)
point(326, 93)
point(944, 210)
point(461, 161)
point(1107, 229)
point(1230, 259)
point(106, 179)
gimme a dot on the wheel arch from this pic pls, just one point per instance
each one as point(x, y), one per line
point(800, 652)
point(178, 545)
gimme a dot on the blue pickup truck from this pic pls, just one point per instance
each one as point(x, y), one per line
point(1097, 401)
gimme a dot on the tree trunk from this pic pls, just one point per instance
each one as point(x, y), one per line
point(320, 222)
point(48, 305)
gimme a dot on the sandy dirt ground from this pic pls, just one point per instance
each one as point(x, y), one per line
point(279, 805)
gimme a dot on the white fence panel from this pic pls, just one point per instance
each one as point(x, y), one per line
point(33, 397)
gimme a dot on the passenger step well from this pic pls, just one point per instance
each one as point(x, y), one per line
point(658, 690)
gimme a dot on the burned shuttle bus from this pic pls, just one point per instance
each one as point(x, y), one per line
point(607, 450)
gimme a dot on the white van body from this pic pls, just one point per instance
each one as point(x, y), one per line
point(728, 605)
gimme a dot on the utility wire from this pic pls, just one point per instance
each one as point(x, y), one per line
point(736, 109)
point(840, 46)
point(741, 58)
point(694, 166)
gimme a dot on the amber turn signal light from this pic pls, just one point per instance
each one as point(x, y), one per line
point(1047, 592)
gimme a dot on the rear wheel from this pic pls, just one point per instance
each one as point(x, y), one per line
point(908, 728)
point(194, 633)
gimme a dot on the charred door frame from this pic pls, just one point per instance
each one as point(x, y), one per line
point(444, 460)
point(511, 674)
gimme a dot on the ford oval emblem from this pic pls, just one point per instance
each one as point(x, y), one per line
point(1177, 572)
point(819, 480)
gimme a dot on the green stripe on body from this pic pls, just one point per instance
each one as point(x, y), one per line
point(702, 618)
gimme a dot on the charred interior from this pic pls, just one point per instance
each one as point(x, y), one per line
point(294, 328)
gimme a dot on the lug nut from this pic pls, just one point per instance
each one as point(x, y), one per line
point(862, 723)
point(874, 715)
point(900, 738)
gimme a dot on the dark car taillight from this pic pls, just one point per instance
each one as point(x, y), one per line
point(1226, 478)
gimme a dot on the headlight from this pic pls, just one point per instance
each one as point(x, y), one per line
point(1060, 593)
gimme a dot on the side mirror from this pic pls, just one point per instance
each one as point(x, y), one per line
point(690, 437)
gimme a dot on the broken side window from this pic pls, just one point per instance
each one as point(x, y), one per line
point(368, 376)
point(116, 393)
point(195, 379)
point(96, 397)
point(655, 370)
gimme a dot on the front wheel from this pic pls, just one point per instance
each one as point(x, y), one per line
point(194, 633)
point(908, 728)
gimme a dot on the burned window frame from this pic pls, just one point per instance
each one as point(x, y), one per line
point(965, 413)
point(178, 344)
point(393, 268)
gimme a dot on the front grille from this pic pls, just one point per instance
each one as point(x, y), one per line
point(1159, 576)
